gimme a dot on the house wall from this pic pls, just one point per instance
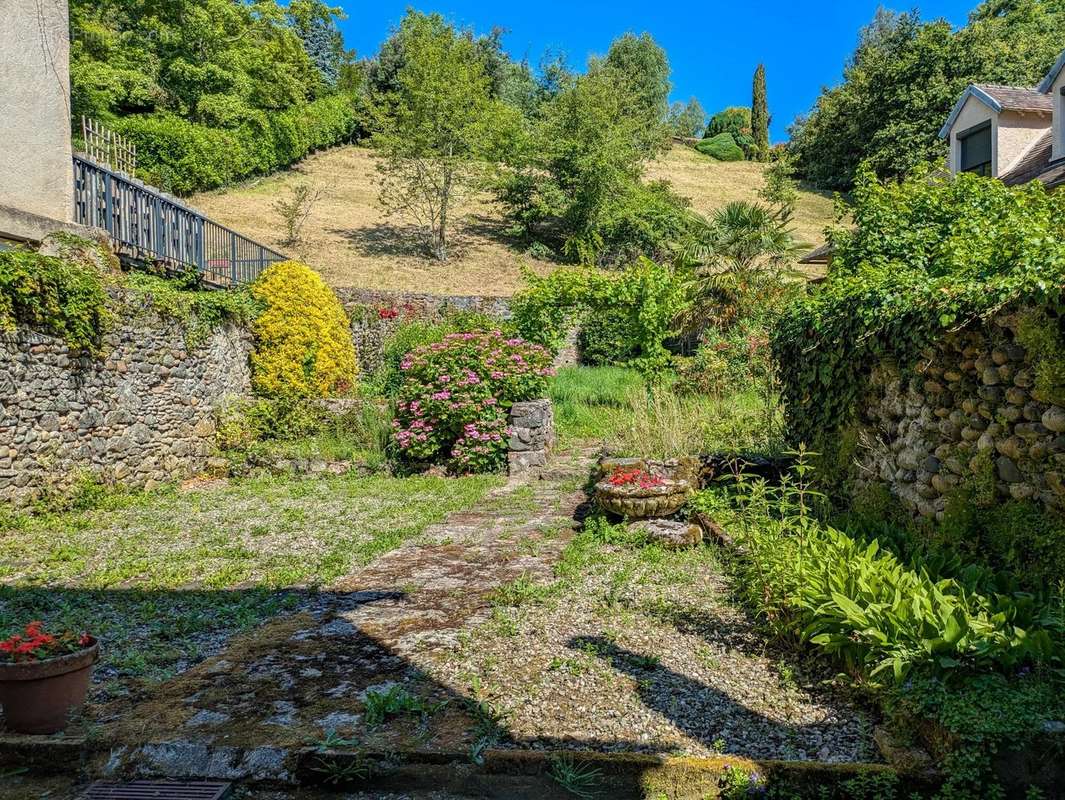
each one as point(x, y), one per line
point(141, 414)
point(973, 113)
point(36, 172)
point(1017, 133)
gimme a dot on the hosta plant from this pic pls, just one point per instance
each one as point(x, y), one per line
point(456, 393)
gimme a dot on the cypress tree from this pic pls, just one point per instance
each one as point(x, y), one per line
point(760, 115)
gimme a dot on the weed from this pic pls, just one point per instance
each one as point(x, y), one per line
point(380, 706)
point(580, 780)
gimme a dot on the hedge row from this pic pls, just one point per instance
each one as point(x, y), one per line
point(185, 157)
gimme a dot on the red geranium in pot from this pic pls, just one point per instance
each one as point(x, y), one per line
point(43, 677)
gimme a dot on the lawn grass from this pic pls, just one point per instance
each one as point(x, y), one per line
point(352, 243)
point(615, 407)
point(163, 577)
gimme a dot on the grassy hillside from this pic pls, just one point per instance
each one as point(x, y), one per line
point(352, 243)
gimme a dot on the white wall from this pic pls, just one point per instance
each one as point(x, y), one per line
point(36, 174)
point(1059, 110)
point(973, 113)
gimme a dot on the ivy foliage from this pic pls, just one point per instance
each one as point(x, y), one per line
point(201, 311)
point(646, 299)
point(925, 256)
point(60, 297)
point(303, 344)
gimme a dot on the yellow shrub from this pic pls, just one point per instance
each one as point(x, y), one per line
point(303, 344)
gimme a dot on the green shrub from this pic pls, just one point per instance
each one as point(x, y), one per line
point(605, 339)
point(407, 336)
point(723, 147)
point(455, 397)
point(878, 616)
point(60, 297)
point(924, 256)
point(185, 157)
point(646, 298)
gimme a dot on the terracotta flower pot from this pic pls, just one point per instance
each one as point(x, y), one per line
point(641, 502)
point(38, 696)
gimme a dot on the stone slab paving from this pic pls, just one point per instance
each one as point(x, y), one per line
point(303, 679)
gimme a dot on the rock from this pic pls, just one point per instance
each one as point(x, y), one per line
point(1007, 470)
point(669, 533)
point(1054, 419)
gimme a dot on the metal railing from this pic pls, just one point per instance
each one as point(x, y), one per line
point(148, 225)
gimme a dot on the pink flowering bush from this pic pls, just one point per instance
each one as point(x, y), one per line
point(455, 395)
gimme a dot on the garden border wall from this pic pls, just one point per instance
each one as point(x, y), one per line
point(142, 413)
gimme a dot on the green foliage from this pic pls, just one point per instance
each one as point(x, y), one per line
point(60, 297)
point(184, 156)
point(592, 402)
point(904, 77)
point(723, 147)
point(980, 717)
point(726, 359)
point(573, 182)
point(879, 617)
point(202, 312)
point(687, 120)
point(214, 91)
point(638, 65)
point(605, 339)
point(646, 296)
point(437, 126)
point(926, 255)
point(759, 116)
point(734, 119)
point(382, 705)
point(1043, 338)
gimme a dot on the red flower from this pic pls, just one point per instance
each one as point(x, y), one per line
point(634, 477)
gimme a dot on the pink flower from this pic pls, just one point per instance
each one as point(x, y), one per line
point(496, 375)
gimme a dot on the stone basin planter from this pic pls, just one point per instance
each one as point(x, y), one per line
point(38, 696)
point(643, 502)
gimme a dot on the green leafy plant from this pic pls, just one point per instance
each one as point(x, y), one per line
point(395, 701)
point(926, 256)
point(456, 394)
point(579, 779)
point(60, 297)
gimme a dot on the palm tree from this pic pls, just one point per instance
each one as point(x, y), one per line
point(732, 257)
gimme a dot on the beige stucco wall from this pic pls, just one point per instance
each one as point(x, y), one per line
point(1017, 132)
point(973, 113)
point(36, 174)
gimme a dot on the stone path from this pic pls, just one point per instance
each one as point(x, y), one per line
point(310, 678)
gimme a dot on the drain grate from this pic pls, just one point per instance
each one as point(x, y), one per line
point(157, 790)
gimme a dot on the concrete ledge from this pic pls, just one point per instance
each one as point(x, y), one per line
point(23, 226)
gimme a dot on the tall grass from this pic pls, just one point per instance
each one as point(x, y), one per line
point(617, 407)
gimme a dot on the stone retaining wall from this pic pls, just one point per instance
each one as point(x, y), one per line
point(532, 435)
point(140, 414)
point(376, 314)
point(973, 412)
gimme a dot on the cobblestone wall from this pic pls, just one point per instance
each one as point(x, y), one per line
point(532, 435)
point(974, 411)
point(141, 414)
point(376, 314)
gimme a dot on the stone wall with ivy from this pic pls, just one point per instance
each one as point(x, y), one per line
point(375, 314)
point(983, 407)
point(140, 411)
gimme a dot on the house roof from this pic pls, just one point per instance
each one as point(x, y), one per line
point(999, 98)
point(1017, 98)
point(822, 255)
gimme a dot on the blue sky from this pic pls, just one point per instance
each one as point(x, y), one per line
point(713, 47)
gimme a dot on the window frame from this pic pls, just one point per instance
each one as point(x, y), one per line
point(983, 168)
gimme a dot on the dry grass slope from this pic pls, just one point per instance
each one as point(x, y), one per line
point(352, 243)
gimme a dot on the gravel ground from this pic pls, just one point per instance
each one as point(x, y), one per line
point(637, 648)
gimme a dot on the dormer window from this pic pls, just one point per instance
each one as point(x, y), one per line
point(975, 143)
